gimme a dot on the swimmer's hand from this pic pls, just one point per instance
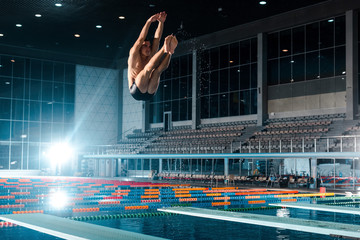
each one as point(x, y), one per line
point(154, 18)
point(162, 17)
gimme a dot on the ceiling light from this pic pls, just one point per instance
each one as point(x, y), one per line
point(121, 17)
point(38, 15)
point(285, 50)
point(262, 2)
point(1, 34)
point(220, 9)
point(292, 61)
point(343, 72)
point(77, 35)
point(23, 136)
point(7, 83)
point(331, 20)
point(231, 61)
point(98, 26)
point(151, 5)
point(18, 25)
point(58, 4)
point(12, 60)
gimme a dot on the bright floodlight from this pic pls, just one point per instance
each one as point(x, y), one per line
point(58, 199)
point(60, 153)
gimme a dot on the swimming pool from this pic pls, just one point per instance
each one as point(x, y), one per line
point(133, 207)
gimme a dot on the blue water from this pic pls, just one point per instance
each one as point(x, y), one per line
point(187, 227)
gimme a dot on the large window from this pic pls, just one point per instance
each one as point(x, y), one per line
point(36, 108)
point(175, 91)
point(308, 52)
point(228, 80)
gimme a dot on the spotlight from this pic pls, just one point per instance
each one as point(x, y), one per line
point(60, 153)
point(262, 2)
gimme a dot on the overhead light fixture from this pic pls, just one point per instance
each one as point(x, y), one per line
point(77, 35)
point(231, 61)
point(331, 20)
point(343, 72)
point(18, 25)
point(12, 60)
point(23, 136)
point(58, 4)
point(285, 50)
point(7, 83)
point(122, 17)
point(38, 15)
point(1, 34)
point(98, 26)
point(262, 2)
point(151, 5)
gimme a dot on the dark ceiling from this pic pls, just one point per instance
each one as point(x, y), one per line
point(54, 30)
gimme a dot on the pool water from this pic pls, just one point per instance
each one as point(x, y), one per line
point(182, 227)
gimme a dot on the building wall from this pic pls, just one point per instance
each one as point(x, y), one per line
point(96, 105)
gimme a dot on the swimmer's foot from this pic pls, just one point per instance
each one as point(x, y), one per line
point(173, 44)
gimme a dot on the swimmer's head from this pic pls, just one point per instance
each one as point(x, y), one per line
point(146, 48)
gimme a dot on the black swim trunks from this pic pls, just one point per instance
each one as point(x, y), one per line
point(135, 92)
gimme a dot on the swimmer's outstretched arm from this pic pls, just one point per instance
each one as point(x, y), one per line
point(143, 33)
point(158, 33)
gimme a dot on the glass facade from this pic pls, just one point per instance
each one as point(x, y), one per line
point(228, 79)
point(308, 52)
point(175, 91)
point(36, 108)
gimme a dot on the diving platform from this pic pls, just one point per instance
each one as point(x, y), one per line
point(297, 224)
point(70, 229)
point(319, 207)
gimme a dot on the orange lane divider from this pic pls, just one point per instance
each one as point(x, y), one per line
point(220, 203)
point(266, 193)
point(236, 190)
point(31, 211)
point(149, 196)
point(213, 194)
point(136, 207)
point(12, 206)
point(252, 197)
point(187, 199)
point(189, 189)
point(305, 195)
point(85, 209)
point(224, 188)
point(182, 195)
point(257, 202)
point(91, 191)
point(289, 200)
point(26, 200)
point(6, 197)
point(152, 193)
point(221, 198)
point(20, 193)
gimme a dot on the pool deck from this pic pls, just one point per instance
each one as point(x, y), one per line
point(319, 227)
point(70, 229)
point(319, 207)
